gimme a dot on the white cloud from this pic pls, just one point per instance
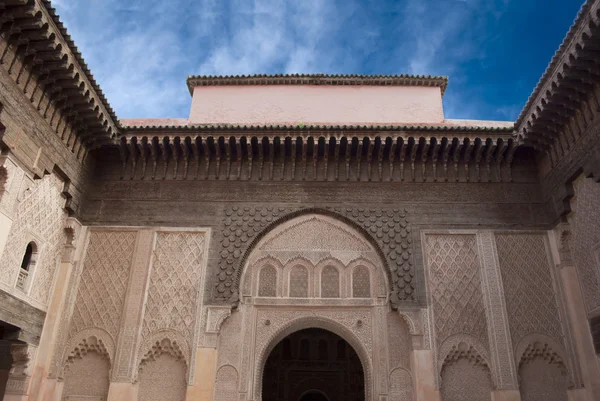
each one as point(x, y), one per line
point(141, 50)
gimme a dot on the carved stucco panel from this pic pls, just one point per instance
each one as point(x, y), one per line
point(229, 344)
point(103, 282)
point(531, 301)
point(39, 215)
point(455, 286)
point(174, 286)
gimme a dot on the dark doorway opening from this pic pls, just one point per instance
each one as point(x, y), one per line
point(313, 365)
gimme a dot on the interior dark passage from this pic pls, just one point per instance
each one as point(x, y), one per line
point(313, 365)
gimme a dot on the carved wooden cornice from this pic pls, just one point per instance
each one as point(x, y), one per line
point(38, 53)
point(319, 79)
point(322, 155)
point(565, 100)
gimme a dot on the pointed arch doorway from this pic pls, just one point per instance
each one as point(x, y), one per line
point(313, 365)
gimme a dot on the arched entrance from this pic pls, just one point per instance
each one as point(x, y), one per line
point(313, 365)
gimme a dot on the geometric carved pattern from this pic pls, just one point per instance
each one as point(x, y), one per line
point(267, 282)
point(387, 229)
point(103, 282)
point(40, 212)
point(586, 229)
point(455, 287)
point(361, 283)
point(174, 284)
point(226, 384)
point(299, 282)
point(330, 282)
point(530, 299)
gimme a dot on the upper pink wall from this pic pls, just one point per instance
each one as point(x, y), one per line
point(318, 104)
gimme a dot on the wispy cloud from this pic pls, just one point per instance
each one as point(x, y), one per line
point(141, 50)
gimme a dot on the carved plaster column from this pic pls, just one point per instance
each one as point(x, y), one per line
point(42, 387)
point(122, 386)
point(501, 349)
point(576, 311)
point(422, 357)
point(202, 389)
point(19, 377)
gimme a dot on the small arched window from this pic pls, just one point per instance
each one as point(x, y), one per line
point(27, 266)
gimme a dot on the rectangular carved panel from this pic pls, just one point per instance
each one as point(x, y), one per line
point(174, 284)
point(528, 287)
point(455, 286)
point(101, 293)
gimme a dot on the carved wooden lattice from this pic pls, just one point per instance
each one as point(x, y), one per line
point(299, 282)
point(361, 283)
point(103, 281)
point(330, 282)
point(455, 286)
point(267, 283)
point(529, 293)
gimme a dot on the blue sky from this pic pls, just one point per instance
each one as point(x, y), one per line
point(494, 51)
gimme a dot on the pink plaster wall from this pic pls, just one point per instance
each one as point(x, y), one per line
point(293, 104)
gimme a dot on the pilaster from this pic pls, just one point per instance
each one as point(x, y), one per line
point(127, 347)
point(424, 376)
point(19, 377)
point(576, 311)
point(202, 389)
point(42, 387)
point(501, 348)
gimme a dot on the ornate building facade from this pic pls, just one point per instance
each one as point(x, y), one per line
point(301, 237)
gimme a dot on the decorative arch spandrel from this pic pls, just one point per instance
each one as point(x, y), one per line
point(387, 230)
